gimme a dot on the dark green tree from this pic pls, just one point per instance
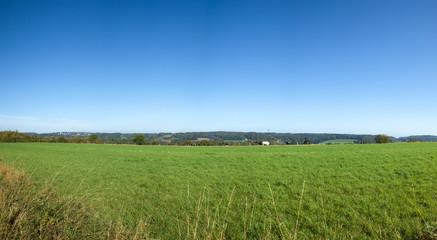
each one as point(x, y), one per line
point(382, 138)
point(306, 142)
point(139, 139)
point(92, 138)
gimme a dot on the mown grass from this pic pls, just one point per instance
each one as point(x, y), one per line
point(351, 191)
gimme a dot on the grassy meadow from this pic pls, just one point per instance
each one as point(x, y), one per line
point(385, 191)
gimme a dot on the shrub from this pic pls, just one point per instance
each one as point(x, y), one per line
point(139, 139)
point(382, 138)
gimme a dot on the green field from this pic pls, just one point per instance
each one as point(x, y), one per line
point(384, 191)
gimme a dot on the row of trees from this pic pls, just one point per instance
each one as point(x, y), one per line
point(235, 137)
point(141, 139)
point(15, 136)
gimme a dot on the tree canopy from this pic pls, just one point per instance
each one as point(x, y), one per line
point(93, 138)
point(382, 138)
point(139, 139)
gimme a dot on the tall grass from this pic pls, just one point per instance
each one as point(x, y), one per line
point(26, 213)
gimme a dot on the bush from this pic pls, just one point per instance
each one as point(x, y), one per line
point(139, 139)
point(93, 138)
point(382, 138)
point(206, 143)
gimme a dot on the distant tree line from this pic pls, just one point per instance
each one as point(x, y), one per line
point(200, 138)
point(419, 138)
point(15, 136)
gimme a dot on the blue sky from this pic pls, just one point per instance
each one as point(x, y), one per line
point(176, 66)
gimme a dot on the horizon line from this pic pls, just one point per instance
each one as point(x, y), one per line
point(268, 132)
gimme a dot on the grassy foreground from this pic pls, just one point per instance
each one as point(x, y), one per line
point(28, 213)
point(351, 191)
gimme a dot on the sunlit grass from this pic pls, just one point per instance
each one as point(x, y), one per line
point(359, 191)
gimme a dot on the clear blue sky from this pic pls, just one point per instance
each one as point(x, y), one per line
point(175, 66)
